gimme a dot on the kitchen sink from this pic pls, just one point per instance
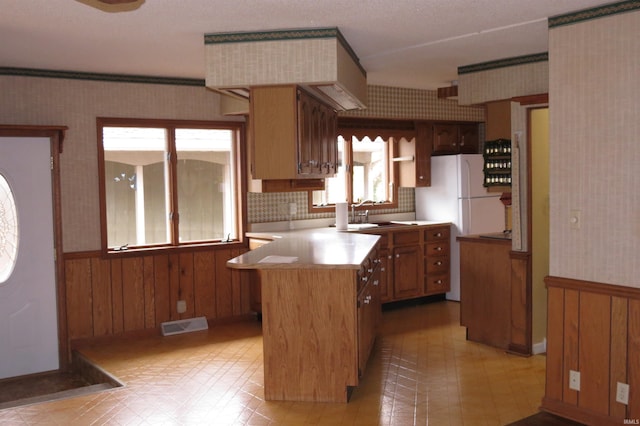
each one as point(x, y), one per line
point(382, 224)
point(359, 226)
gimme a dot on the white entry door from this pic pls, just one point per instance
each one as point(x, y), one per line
point(28, 317)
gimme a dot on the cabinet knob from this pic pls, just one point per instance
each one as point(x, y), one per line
point(390, 257)
point(438, 248)
point(439, 282)
point(438, 234)
point(370, 270)
point(397, 256)
point(421, 177)
point(382, 269)
point(365, 278)
point(376, 282)
point(438, 263)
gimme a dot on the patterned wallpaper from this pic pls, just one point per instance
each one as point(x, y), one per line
point(503, 83)
point(76, 103)
point(76, 99)
point(595, 149)
point(403, 103)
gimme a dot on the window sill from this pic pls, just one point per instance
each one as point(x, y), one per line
point(141, 251)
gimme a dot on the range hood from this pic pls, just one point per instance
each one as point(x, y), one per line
point(319, 60)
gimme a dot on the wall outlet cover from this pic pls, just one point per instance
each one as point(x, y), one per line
point(574, 380)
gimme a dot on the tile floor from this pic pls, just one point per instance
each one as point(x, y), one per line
point(422, 372)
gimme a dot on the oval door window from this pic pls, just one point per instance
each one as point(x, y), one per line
point(8, 230)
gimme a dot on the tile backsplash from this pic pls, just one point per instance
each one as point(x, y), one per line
point(270, 207)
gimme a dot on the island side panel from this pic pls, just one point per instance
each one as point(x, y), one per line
point(309, 324)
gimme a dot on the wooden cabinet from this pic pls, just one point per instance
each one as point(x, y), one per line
point(319, 325)
point(455, 138)
point(293, 135)
point(416, 173)
point(485, 290)
point(407, 264)
point(369, 315)
point(437, 260)
point(414, 261)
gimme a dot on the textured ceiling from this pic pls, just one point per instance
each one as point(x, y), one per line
point(403, 43)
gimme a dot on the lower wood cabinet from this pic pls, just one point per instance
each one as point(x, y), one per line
point(485, 290)
point(411, 261)
point(415, 261)
point(407, 276)
point(437, 254)
point(319, 327)
point(369, 315)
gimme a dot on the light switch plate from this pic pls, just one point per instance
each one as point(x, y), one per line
point(575, 219)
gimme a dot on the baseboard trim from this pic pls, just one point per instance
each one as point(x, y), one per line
point(540, 347)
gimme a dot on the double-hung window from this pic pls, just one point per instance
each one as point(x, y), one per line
point(168, 183)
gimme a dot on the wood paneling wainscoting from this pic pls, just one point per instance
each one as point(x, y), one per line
point(136, 293)
point(593, 328)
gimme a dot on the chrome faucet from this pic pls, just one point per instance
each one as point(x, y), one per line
point(361, 217)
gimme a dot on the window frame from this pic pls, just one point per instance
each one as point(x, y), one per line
point(170, 125)
point(389, 130)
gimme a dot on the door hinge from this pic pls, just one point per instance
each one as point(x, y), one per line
point(51, 162)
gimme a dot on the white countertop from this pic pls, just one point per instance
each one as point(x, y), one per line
point(308, 248)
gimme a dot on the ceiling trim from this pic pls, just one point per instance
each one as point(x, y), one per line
point(594, 13)
point(502, 63)
point(118, 78)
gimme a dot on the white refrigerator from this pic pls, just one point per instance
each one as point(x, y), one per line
point(456, 195)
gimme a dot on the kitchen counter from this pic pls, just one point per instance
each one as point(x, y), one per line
point(320, 311)
point(308, 248)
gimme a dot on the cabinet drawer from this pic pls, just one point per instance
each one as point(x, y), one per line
point(406, 238)
point(439, 248)
point(437, 234)
point(437, 284)
point(437, 265)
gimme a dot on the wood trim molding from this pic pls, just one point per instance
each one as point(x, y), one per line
point(572, 412)
point(542, 98)
point(593, 287)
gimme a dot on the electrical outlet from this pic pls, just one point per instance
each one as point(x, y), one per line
point(574, 380)
point(622, 393)
point(181, 306)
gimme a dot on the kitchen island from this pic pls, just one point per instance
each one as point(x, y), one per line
point(320, 311)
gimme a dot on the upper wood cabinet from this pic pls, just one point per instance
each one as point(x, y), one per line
point(455, 138)
point(293, 135)
point(416, 173)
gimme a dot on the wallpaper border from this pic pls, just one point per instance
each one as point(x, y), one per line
point(594, 13)
point(117, 78)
